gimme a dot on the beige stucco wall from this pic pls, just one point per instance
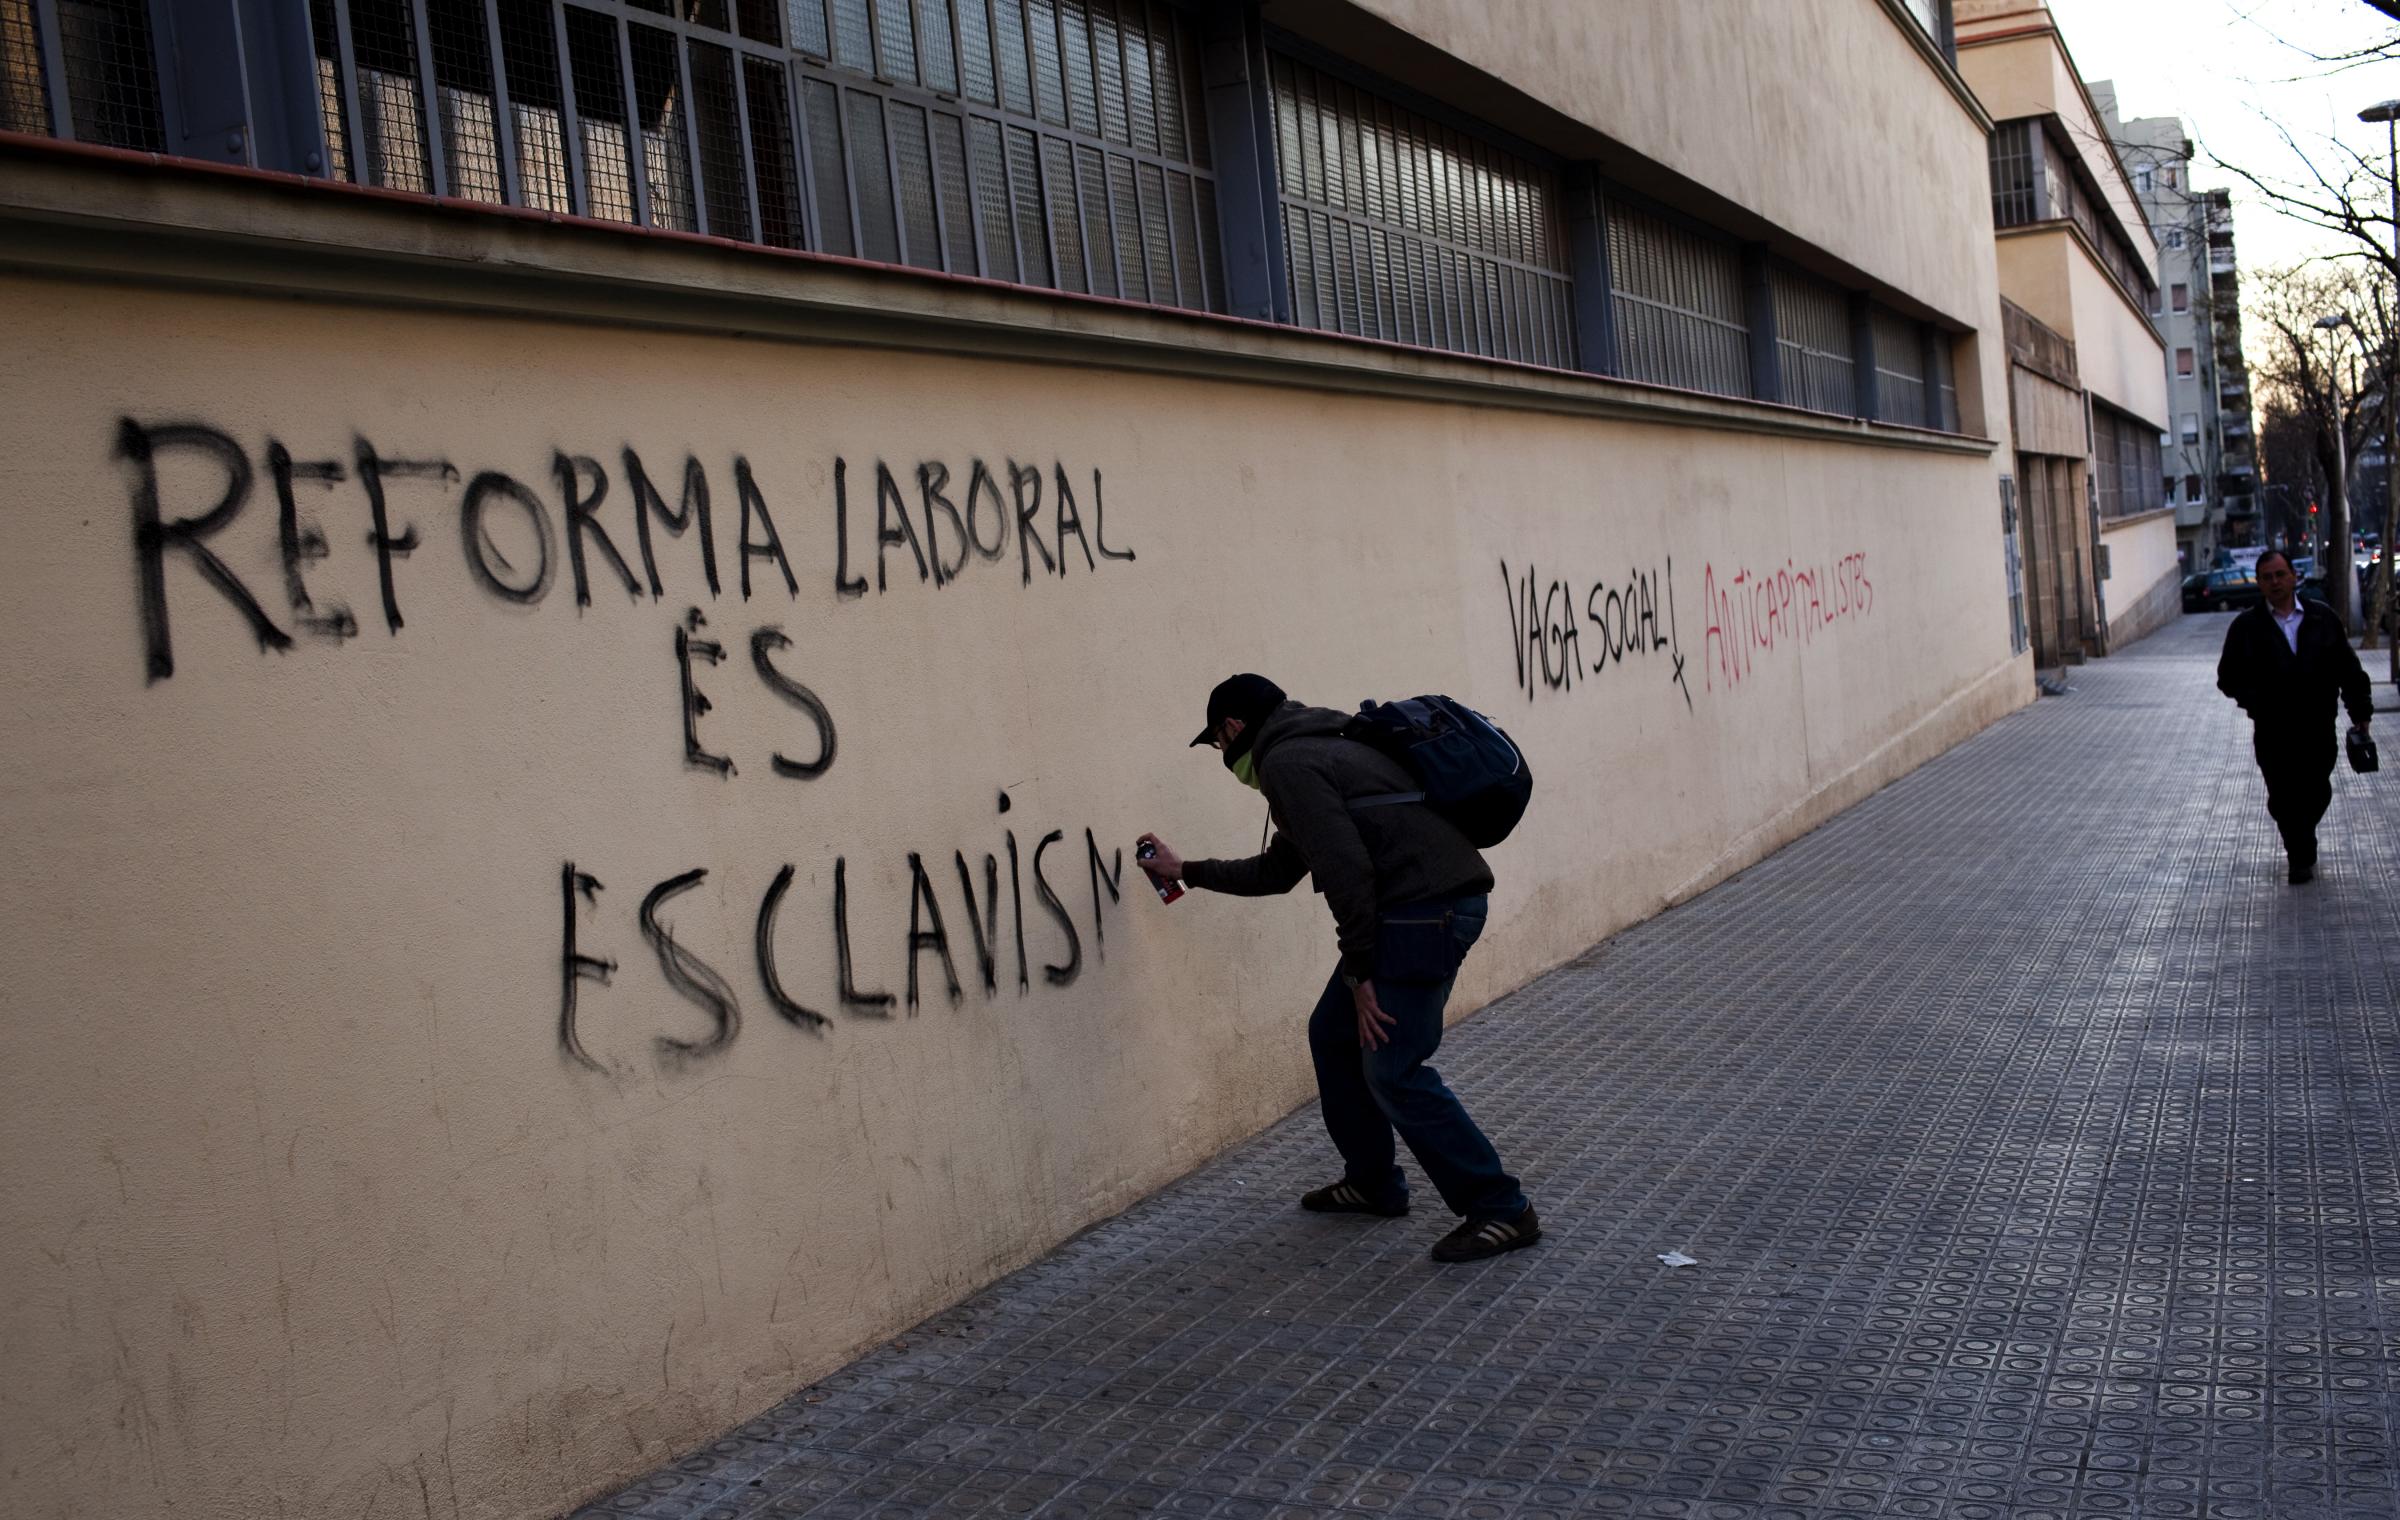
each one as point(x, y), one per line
point(2033, 273)
point(308, 1211)
point(2118, 354)
point(1736, 98)
point(2144, 587)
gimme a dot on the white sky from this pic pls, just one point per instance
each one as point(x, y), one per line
point(2228, 68)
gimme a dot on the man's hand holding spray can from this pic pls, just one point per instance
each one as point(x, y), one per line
point(1161, 864)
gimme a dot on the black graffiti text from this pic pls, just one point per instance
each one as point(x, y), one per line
point(990, 948)
point(1628, 621)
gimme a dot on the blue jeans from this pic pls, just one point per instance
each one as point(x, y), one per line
point(1370, 1094)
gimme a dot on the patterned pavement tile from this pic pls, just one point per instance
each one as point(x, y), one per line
point(2037, 1144)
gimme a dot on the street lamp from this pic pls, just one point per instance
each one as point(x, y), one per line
point(2339, 586)
point(2388, 112)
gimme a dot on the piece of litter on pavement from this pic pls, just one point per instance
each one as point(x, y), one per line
point(1678, 1259)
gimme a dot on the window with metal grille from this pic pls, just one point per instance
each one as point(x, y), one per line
point(1901, 393)
point(1813, 342)
point(24, 95)
point(1680, 315)
point(667, 113)
point(2125, 460)
point(2018, 638)
point(2106, 482)
point(2071, 196)
point(1945, 381)
point(1401, 228)
point(2012, 152)
point(81, 69)
point(1045, 142)
point(2141, 456)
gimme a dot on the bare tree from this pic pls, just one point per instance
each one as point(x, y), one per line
point(2305, 366)
point(2343, 191)
point(2337, 188)
point(2287, 458)
point(2343, 60)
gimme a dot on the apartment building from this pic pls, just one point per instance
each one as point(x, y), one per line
point(2210, 458)
point(607, 585)
point(2077, 258)
point(2237, 479)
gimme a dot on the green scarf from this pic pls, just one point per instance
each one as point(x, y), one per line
point(1245, 769)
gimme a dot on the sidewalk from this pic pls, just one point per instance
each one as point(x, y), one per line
point(2040, 1150)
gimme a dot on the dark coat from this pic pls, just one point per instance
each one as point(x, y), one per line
point(1373, 859)
point(2294, 695)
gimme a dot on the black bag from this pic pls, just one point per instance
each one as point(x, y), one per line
point(1472, 773)
point(2362, 751)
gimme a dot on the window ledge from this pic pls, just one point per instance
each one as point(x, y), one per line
point(1943, 68)
point(73, 211)
point(2077, 236)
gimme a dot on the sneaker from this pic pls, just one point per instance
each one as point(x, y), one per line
point(1478, 1238)
point(1349, 1198)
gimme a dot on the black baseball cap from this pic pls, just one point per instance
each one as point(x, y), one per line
point(1247, 697)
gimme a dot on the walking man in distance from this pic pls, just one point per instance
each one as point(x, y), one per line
point(2288, 662)
point(1407, 893)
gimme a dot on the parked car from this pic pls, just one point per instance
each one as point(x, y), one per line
point(2226, 590)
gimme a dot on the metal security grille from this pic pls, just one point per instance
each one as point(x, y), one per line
point(1396, 227)
point(1945, 379)
point(2074, 197)
point(1680, 316)
point(1900, 388)
point(1813, 342)
point(1045, 142)
point(2136, 448)
point(2014, 202)
point(24, 96)
point(96, 56)
point(2108, 479)
point(2015, 556)
point(627, 112)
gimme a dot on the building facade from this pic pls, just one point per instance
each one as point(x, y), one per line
point(2237, 478)
point(2076, 257)
point(2211, 464)
point(614, 581)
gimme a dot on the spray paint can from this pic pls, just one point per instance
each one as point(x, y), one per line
point(1168, 891)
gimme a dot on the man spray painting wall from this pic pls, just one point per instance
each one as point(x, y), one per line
point(1408, 895)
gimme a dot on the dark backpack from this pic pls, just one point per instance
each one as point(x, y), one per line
point(1472, 773)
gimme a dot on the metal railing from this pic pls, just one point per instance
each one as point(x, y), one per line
point(1044, 142)
point(1901, 392)
point(1813, 341)
point(1681, 317)
point(86, 70)
point(1054, 143)
point(1398, 227)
